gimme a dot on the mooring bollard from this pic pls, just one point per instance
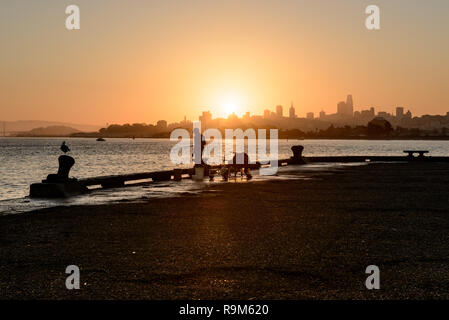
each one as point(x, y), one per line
point(65, 164)
point(297, 155)
point(58, 185)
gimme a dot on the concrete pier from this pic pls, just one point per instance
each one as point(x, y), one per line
point(60, 185)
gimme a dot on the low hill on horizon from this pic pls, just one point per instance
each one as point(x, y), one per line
point(15, 127)
point(51, 131)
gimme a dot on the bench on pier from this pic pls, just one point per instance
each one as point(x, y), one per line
point(412, 152)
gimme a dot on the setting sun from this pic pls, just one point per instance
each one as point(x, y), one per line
point(231, 103)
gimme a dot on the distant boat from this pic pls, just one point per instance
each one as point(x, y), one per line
point(100, 139)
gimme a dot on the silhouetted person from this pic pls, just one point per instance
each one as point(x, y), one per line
point(198, 138)
point(64, 147)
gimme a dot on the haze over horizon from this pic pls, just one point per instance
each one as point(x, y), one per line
point(149, 60)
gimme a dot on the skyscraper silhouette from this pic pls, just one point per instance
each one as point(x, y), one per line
point(279, 112)
point(346, 109)
point(399, 112)
point(349, 106)
point(341, 108)
point(291, 111)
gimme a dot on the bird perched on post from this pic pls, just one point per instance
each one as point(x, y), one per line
point(64, 147)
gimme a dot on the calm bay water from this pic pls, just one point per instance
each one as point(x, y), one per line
point(27, 160)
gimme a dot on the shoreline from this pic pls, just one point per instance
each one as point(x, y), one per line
point(280, 239)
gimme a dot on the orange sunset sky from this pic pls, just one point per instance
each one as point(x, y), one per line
point(141, 61)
